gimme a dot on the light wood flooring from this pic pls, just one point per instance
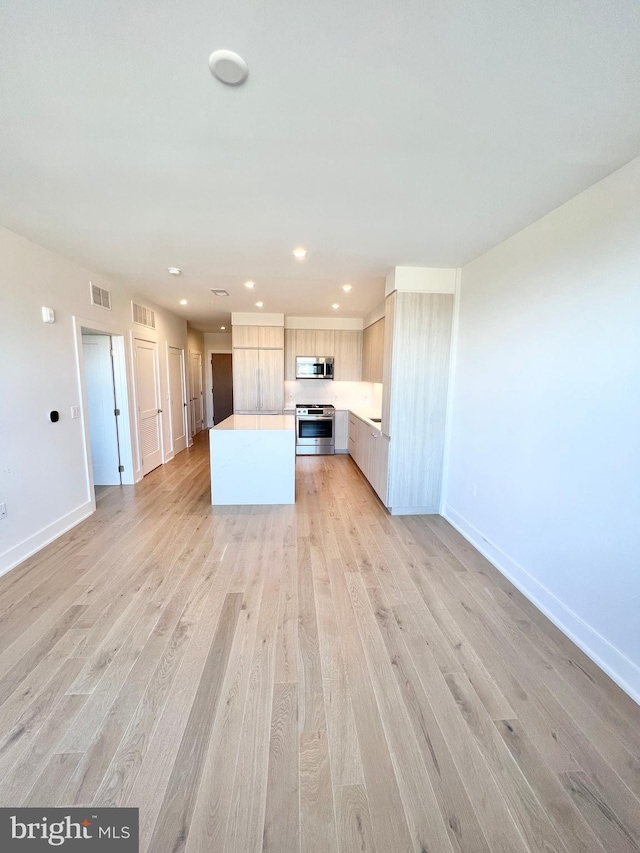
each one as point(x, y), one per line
point(313, 678)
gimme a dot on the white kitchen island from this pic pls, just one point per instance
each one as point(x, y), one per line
point(253, 460)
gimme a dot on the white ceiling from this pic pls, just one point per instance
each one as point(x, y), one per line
point(377, 133)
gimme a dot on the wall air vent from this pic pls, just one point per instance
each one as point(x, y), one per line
point(143, 316)
point(220, 292)
point(100, 296)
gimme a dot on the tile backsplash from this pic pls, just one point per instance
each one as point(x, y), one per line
point(343, 395)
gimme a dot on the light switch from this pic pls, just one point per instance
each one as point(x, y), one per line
point(48, 315)
point(75, 411)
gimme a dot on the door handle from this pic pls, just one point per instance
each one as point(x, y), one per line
point(159, 411)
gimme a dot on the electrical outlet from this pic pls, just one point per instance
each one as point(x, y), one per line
point(3, 510)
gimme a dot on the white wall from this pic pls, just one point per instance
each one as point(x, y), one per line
point(43, 476)
point(546, 417)
point(217, 341)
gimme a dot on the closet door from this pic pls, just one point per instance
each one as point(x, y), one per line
point(177, 397)
point(148, 398)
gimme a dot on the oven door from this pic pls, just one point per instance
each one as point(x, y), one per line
point(316, 431)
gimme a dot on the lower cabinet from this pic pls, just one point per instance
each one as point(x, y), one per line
point(369, 449)
point(341, 431)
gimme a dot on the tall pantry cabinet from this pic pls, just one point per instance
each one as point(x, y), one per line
point(414, 397)
point(258, 369)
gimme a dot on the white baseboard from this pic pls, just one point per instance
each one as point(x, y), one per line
point(617, 665)
point(25, 549)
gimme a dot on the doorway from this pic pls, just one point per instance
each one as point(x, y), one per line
point(103, 387)
point(102, 409)
point(221, 386)
point(177, 399)
point(148, 403)
point(195, 385)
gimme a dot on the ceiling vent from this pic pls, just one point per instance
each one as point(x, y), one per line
point(100, 296)
point(220, 292)
point(143, 316)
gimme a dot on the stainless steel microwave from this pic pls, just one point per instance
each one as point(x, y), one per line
point(314, 367)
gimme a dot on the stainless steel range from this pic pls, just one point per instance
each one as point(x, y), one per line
point(315, 429)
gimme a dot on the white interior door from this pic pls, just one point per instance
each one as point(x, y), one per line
point(195, 377)
point(148, 399)
point(101, 407)
point(177, 398)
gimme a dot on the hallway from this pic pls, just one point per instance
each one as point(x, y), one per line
point(317, 677)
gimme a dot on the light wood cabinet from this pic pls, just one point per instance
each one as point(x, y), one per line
point(347, 354)
point(403, 462)
point(379, 464)
point(306, 342)
point(271, 376)
point(325, 342)
point(258, 368)
point(370, 451)
point(245, 336)
point(373, 352)
point(345, 346)
point(341, 431)
point(258, 380)
point(257, 337)
point(414, 397)
point(245, 380)
point(270, 337)
point(290, 343)
point(353, 437)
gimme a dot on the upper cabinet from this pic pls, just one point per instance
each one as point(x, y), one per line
point(305, 342)
point(347, 354)
point(325, 342)
point(344, 346)
point(257, 337)
point(373, 352)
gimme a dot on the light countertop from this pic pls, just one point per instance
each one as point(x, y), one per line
point(365, 414)
point(263, 423)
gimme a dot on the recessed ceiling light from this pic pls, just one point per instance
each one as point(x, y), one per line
point(335, 306)
point(222, 328)
point(259, 304)
point(183, 302)
point(228, 67)
point(174, 271)
point(346, 288)
point(300, 254)
point(249, 284)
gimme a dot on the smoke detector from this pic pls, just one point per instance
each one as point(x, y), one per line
point(228, 67)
